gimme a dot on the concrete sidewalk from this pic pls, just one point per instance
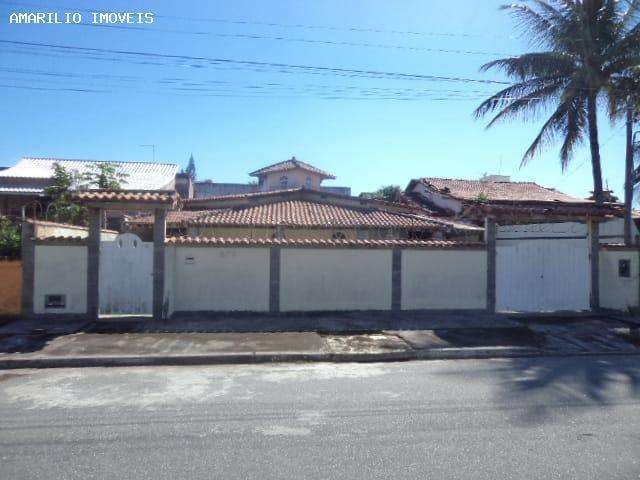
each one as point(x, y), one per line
point(130, 342)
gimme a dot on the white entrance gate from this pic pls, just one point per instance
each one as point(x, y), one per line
point(538, 275)
point(126, 282)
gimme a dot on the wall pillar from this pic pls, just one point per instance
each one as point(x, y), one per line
point(490, 240)
point(274, 279)
point(594, 261)
point(159, 233)
point(28, 253)
point(93, 263)
point(396, 279)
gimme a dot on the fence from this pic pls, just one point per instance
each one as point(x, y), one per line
point(303, 277)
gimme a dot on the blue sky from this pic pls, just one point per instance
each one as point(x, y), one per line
point(235, 117)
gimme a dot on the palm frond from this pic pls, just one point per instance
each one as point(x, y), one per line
point(528, 104)
point(550, 130)
point(544, 24)
point(531, 65)
point(574, 128)
point(506, 96)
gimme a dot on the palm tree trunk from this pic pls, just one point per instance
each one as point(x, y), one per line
point(596, 167)
point(628, 179)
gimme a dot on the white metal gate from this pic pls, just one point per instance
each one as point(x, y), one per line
point(537, 275)
point(126, 282)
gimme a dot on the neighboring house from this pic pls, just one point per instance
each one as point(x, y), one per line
point(22, 186)
point(301, 213)
point(291, 173)
point(452, 197)
point(544, 248)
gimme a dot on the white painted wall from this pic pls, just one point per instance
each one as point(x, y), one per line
point(617, 292)
point(611, 231)
point(221, 279)
point(324, 279)
point(295, 178)
point(60, 270)
point(444, 279)
point(439, 200)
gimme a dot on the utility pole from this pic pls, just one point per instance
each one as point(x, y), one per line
point(628, 178)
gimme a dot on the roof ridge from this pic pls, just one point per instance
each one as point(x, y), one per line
point(480, 181)
point(97, 161)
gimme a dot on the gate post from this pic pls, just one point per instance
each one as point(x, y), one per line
point(28, 252)
point(490, 241)
point(93, 263)
point(159, 233)
point(594, 260)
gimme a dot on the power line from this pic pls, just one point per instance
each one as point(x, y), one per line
point(229, 61)
point(338, 43)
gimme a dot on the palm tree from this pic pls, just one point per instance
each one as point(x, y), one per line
point(624, 102)
point(585, 44)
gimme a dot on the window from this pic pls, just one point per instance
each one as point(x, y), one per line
point(284, 181)
point(338, 236)
point(308, 183)
point(624, 268)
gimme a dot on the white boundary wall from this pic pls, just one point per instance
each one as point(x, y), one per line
point(617, 292)
point(60, 270)
point(216, 278)
point(335, 279)
point(444, 279)
point(219, 279)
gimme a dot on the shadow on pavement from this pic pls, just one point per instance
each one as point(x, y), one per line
point(545, 387)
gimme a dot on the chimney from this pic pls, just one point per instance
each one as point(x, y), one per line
point(184, 185)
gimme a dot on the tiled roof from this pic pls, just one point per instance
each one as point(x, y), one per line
point(307, 214)
point(221, 241)
point(126, 196)
point(290, 164)
point(497, 191)
point(141, 175)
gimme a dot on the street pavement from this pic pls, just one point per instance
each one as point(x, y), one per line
point(519, 418)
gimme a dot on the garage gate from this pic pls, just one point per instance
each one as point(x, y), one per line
point(542, 274)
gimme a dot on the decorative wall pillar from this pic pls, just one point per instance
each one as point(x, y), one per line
point(594, 262)
point(28, 253)
point(274, 279)
point(490, 240)
point(159, 234)
point(396, 279)
point(93, 263)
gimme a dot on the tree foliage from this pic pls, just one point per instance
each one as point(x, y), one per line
point(9, 239)
point(191, 168)
point(389, 193)
point(62, 209)
point(105, 176)
point(586, 45)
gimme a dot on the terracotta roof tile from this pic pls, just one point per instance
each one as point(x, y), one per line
point(222, 241)
point(497, 191)
point(291, 164)
point(126, 196)
point(307, 214)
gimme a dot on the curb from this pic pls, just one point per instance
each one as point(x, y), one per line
point(252, 358)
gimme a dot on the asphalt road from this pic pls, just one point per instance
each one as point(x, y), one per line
point(525, 418)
